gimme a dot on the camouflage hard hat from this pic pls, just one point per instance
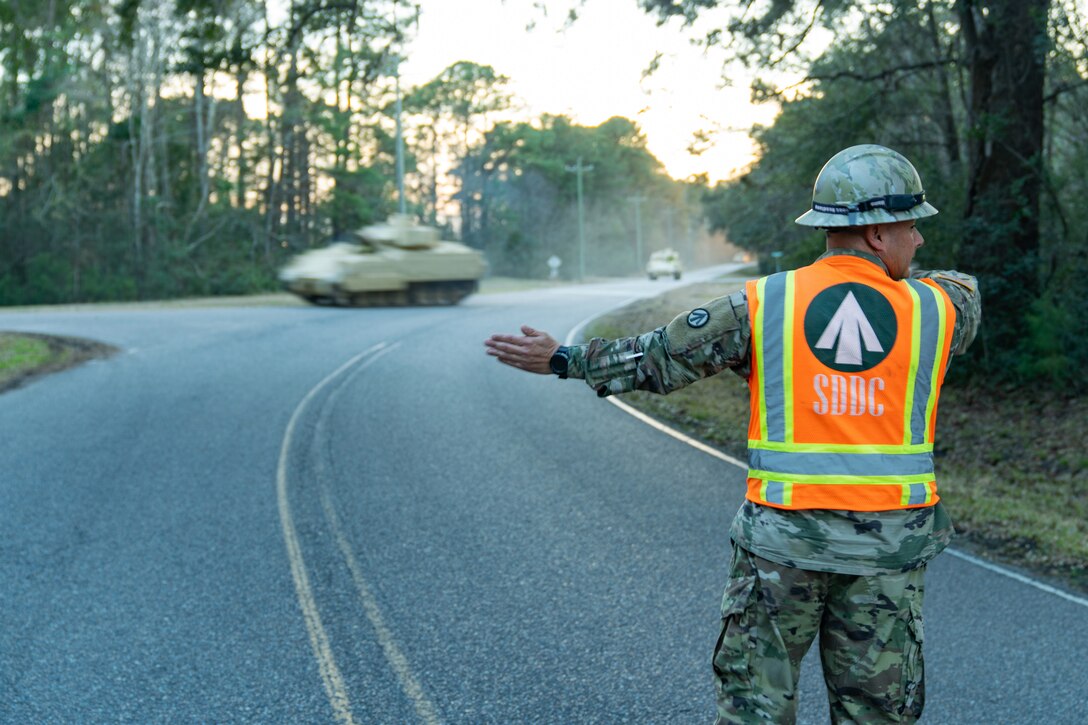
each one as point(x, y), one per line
point(866, 184)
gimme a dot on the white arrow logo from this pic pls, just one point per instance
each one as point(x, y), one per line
point(851, 328)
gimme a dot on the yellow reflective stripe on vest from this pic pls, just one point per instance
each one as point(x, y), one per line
point(911, 494)
point(930, 326)
point(779, 492)
point(778, 462)
point(775, 364)
point(915, 354)
point(914, 494)
point(936, 371)
point(841, 447)
point(761, 367)
point(812, 478)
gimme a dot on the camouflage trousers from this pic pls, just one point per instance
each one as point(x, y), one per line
point(870, 632)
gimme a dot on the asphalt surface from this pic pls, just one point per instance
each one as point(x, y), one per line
point(302, 514)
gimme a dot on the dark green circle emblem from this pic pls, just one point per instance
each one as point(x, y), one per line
point(850, 327)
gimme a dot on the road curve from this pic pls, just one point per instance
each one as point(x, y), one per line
point(323, 515)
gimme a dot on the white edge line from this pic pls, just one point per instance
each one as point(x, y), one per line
point(676, 434)
point(1018, 577)
point(576, 332)
point(576, 335)
point(319, 639)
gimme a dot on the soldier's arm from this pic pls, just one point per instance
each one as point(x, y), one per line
point(691, 347)
point(963, 291)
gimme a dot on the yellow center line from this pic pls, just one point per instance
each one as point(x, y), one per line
point(410, 685)
point(319, 639)
point(330, 673)
point(426, 710)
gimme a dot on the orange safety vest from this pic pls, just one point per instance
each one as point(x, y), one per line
point(847, 366)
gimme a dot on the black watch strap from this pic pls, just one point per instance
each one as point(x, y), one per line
point(561, 361)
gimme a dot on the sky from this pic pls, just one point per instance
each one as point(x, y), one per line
point(592, 71)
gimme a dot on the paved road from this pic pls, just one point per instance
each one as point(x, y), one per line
point(322, 515)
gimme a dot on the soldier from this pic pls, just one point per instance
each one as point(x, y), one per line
point(844, 361)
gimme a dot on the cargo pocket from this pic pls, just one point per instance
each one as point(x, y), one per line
point(737, 640)
point(914, 683)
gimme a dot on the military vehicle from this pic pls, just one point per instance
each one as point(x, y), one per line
point(664, 263)
point(398, 262)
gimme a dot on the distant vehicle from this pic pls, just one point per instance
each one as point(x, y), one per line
point(664, 263)
point(398, 262)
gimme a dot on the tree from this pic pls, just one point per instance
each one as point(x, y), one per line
point(979, 135)
point(448, 110)
point(130, 168)
point(1005, 44)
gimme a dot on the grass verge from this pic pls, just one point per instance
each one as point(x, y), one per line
point(27, 356)
point(1011, 465)
point(18, 354)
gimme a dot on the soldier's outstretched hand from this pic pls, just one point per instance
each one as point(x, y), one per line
point(532, 350)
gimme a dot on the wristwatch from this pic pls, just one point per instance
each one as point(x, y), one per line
point(560, 361)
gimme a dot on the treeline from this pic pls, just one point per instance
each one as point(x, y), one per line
point(157, 149)
point(188, 147)
point(989, 99)
point(178, 147)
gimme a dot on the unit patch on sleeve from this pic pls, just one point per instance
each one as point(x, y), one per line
point(716, 321)
point(698, 317)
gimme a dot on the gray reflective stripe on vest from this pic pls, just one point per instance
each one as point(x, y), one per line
point(918, 494)
point(929, 349)
point(776, 492)
point(839, 464)
point(774, 384)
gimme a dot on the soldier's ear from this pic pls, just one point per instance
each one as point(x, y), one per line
point(873, 238)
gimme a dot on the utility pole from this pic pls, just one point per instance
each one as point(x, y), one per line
point(637, 200)
point(579, 169)
point(401, 207)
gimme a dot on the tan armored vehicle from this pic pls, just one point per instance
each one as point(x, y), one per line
point(397, 262)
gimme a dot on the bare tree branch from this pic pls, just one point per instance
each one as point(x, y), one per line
point(773, 63)
point(862, 77)
point(1064, 88)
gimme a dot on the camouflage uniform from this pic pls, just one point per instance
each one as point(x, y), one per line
point(853, 577)
point(870, 632)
